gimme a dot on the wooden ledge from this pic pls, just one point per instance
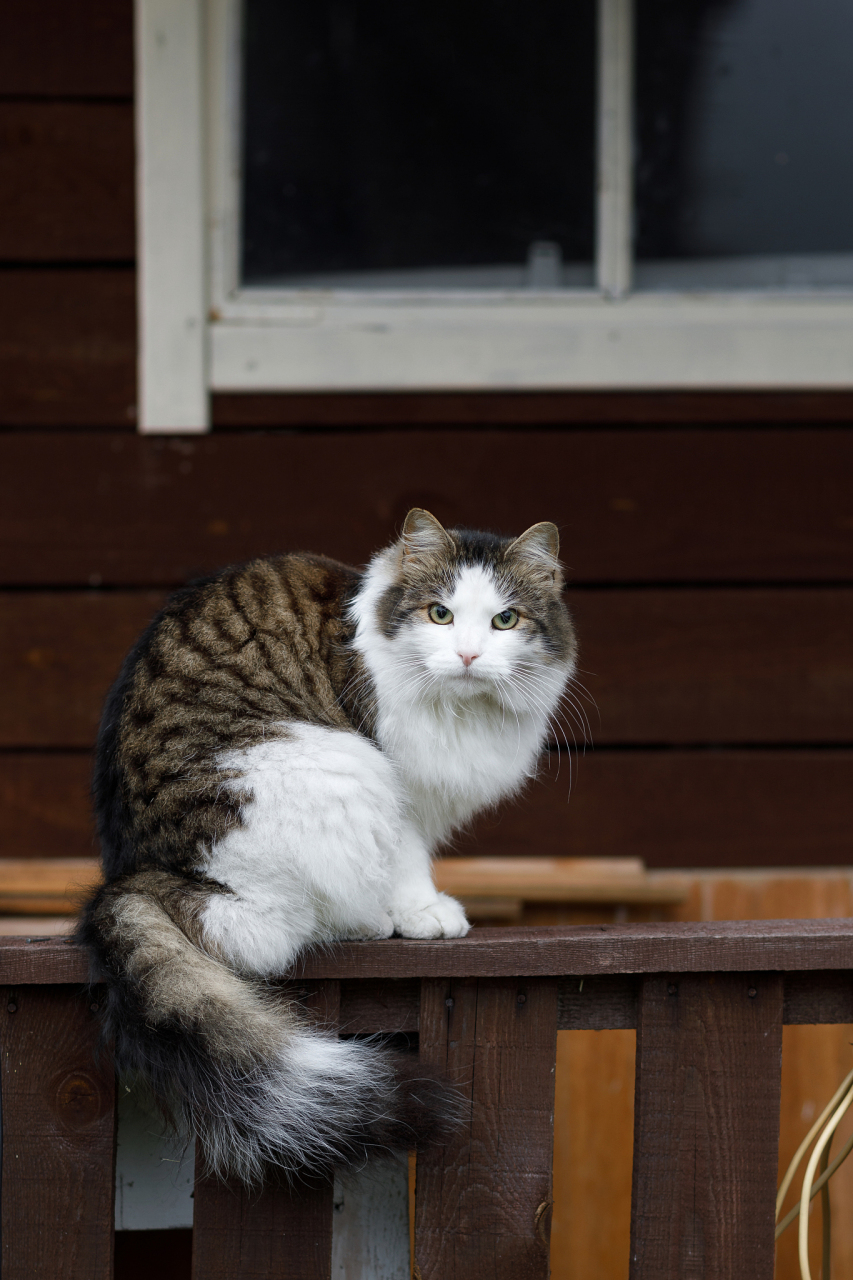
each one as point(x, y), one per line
point(746, 946)
point(488, 886)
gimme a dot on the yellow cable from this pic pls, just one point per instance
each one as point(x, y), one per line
point(808, 1179)
point(819, 1184)
point(807, 1140)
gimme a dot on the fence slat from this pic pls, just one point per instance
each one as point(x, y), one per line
point(483, 1201)
point(58, 1114)
point(706, 1127)
point(279, 1231)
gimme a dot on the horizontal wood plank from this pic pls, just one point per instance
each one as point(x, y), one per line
point(674, 808)
point(671, 808)
point(634, 506)
point(68, 359)
point(66, 181)
point(663, 666)
point(537, 408)
point(54, 49)
point(59, 654)
point(579, 950)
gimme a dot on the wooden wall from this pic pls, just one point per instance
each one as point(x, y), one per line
point(710, 538)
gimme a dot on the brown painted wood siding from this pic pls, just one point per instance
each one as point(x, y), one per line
point(709, 537)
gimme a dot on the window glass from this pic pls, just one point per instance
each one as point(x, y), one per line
point(744, 172)
point(420, 144)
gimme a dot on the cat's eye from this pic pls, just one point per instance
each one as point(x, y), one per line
point(439, 613)
point(505, 620)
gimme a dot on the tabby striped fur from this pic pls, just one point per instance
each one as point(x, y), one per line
point(283, 751)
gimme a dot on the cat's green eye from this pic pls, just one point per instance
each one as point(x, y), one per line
point(505, 621)
point(439, 613)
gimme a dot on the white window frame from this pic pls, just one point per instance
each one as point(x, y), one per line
point(201, 332)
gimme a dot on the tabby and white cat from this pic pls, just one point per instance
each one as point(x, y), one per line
point(283, 751)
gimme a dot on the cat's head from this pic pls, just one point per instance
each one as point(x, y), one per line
point(475, 611)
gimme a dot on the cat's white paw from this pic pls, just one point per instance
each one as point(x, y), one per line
point(441, 918)
point(380, 927)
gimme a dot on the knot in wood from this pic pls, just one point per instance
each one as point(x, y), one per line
point(77, 1100)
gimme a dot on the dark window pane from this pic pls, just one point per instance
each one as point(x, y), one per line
point(421, 142)
point(745, 142)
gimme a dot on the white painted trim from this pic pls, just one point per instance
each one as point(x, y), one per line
point(643, 342)
point(614, 144)
point(170, 212)
point(324, 339)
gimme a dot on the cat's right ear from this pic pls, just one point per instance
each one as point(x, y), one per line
point(424, 535)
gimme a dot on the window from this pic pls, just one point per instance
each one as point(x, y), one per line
point(608, 194)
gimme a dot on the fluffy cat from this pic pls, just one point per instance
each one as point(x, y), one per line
point(283, 751)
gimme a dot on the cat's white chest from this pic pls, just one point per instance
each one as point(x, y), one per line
point(452, 765)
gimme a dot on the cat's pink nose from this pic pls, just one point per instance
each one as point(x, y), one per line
point(468, 658)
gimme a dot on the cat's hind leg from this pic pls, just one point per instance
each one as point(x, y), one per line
point(311, 860)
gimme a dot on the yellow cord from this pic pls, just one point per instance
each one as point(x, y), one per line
point(818, 1186)
point(809, 1179)
point(807, 1141)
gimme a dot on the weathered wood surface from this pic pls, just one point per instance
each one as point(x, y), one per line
point(812, 998)
point(737, 808)
point(771, 665)
point(510, 408)
point(67, 358)
point(483, 1202)
point(706, 1126)
point(279, 1231)
point(648, 506)
point(58, 1138)
point(54, 49)
point(261, 1235)
point(66, 181)
point(577, 950)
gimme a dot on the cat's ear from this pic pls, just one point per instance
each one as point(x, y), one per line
point(424, 535)
point(538, 550)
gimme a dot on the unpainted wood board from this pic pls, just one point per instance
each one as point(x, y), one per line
point(66, 181)
point(814, 1062)
point(560, 408)
point(670, 808)
point(67, 359)
point(663, 666)
point(483, 1201)
point(645, 505)
point(706, 1129)
point(593, 1141)
point(53, 49)
point(58, 1138)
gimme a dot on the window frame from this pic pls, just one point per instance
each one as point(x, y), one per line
point(201, 332)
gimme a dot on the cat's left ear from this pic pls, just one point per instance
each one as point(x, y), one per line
point(538, 550)
point(422, 534)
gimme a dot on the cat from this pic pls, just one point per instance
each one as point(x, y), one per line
point(283, 751)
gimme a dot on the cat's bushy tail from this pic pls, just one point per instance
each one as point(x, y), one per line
point(232, 1063)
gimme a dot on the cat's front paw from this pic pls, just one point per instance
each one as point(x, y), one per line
point(441, 918)
point(382, 926)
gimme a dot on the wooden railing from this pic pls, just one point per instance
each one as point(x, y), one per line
point(708, 1002)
